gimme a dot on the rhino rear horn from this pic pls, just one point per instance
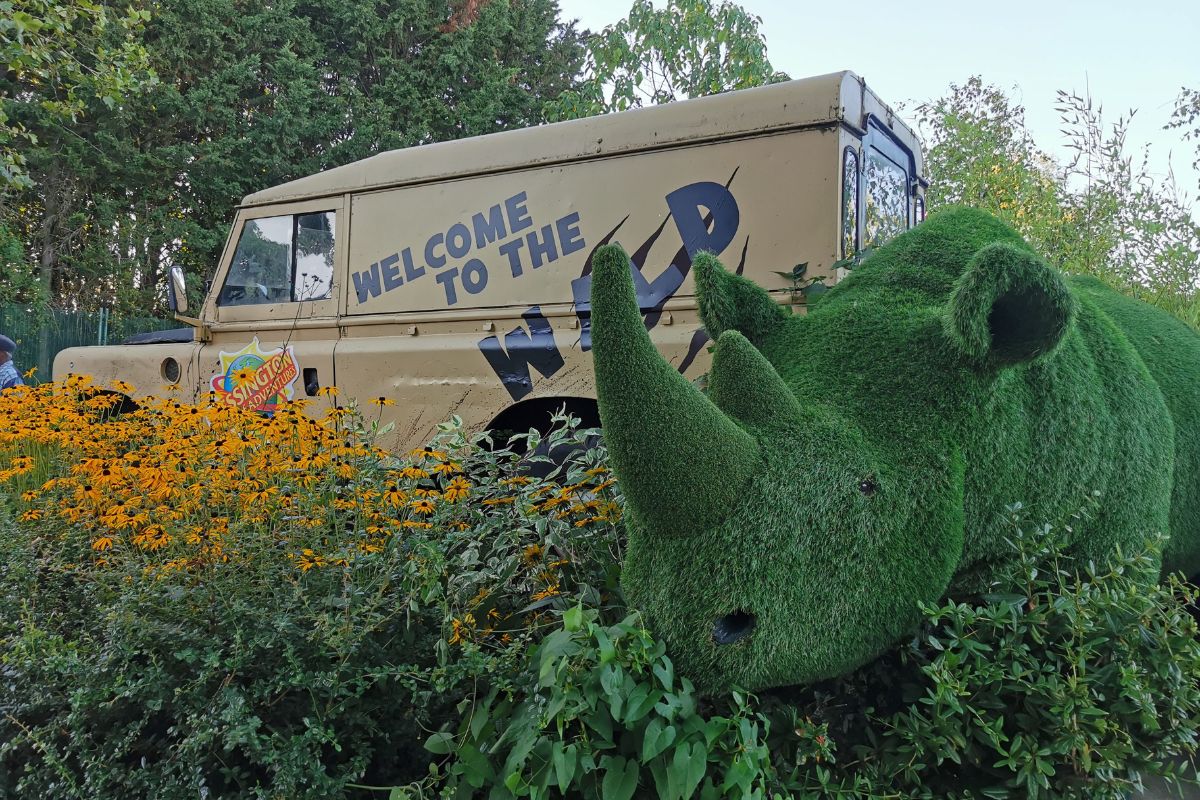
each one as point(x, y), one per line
point(731, 302)
point(745, 386)
point(681, 461)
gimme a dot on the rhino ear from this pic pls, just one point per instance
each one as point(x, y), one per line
point(729, 302)
point(1009, 307)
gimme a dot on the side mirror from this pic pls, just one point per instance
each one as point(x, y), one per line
point(177, 291)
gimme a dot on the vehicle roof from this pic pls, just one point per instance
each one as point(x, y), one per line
point(822, 100)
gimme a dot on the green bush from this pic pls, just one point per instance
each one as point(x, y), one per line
point(492, 655)
point(1064, 681)
point(255, 677)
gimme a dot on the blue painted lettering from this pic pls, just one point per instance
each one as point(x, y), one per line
point(366, 284)
point(474, 276)
point(536, 348)
point(569, 237)
point(685, 204)
point(544, 249)
point(518, 215)
point(391, 273)
point(490, 229)
point(513, 251)
point(411, 271)
point(458, 240)
point(446, 279)
point(432, 258)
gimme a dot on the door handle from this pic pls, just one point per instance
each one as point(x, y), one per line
point(311, 384)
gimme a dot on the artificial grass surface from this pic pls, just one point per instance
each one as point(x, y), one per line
point(851, 462)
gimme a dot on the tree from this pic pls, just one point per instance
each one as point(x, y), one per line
point(686, 49)
point(979, 153)
point(1131, 229)
point(1102, 213)
point(1187, 116)
point(253, 93)
point(59, 57)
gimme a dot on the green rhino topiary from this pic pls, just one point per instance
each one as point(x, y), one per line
point(849, 463)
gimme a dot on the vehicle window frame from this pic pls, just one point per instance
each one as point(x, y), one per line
point(880, 139)
point(290, 308)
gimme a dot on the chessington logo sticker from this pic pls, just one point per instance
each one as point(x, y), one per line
point(256, 379)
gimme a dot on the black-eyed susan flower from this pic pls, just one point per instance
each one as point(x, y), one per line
point(456, 490)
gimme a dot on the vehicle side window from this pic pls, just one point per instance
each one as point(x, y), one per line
point(314, 255)
point(886, 200)
point(280, 260)
point(889, 175)
point(849, 202)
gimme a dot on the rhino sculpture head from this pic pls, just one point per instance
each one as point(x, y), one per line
point(786, 522)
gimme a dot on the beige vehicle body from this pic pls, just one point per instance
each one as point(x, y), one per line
point(454, 278)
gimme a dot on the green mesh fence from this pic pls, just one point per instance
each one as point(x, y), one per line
point(39, 338)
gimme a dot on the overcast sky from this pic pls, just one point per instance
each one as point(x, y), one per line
point(1127, 54)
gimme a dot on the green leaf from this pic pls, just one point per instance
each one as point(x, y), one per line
point(620, 778)
point(697, 766)
point(564, 759)
point(607, 651)
point(657, 738)
point(441, 743)
point(573, 617)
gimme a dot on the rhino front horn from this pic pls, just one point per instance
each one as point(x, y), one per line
point(652, 416)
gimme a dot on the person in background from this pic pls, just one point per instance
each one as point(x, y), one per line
point(9, 377)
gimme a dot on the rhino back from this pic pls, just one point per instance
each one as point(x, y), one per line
point(1085, 429)
point(1171, 352)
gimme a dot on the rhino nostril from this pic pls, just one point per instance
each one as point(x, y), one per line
point(733, 627)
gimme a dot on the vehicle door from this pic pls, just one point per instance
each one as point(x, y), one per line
point(274, 310)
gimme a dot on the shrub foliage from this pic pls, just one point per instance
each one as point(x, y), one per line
point(204, 603)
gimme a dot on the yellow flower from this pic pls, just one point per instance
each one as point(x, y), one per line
point(520, 480)
point(29, 373)
point(328, 391)
point(21, 464)
point(457, 489)
point(102, 543)
point(422, 506)
point(309, 559)
point(395, 497)
point(382, 401)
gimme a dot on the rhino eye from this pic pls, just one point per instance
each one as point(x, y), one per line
point(868, 487)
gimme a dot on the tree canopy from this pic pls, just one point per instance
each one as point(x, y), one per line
point(687, 48)
point(1102, 213)
point(252, 93)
